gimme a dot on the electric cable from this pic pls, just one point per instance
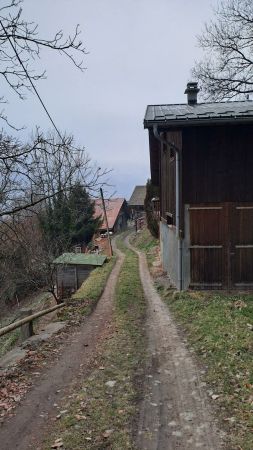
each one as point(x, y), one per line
point(31, 81)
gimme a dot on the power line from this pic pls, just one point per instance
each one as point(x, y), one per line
point(31, 81)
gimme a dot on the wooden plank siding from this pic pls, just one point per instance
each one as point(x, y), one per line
point(217, 164)
point(168, 175)
point(155, 163)
point(241, 224)
point(217, 185)
point(221, 245)
point(69, 278)
point(207, 238)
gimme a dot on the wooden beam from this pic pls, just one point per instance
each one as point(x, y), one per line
point(21, 322)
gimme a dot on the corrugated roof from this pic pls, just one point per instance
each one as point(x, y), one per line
point(138, 196)
point(184, 114)
point(80, 259)
point(113, 207)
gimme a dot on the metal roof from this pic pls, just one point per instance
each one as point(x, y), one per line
point(138, 196)
point(200, 113)
point(113, 207)
point(80, 259)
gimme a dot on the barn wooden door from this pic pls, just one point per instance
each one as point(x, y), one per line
point(241, 242)
point(207, 236)
point(221, 246)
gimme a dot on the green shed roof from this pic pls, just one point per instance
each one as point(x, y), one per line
point(81, 259)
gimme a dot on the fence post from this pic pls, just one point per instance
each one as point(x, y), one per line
point(26, 330)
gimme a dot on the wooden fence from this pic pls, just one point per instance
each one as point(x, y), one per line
point(28, 320)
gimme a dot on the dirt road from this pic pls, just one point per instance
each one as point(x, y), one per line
point(26, 429)
point(175, 413)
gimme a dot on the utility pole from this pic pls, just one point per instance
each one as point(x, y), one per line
point(106, 221)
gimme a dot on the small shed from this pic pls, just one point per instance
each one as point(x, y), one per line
point(72, 269)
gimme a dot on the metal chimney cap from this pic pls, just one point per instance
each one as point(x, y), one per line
point(192, 92)
point(192, 86)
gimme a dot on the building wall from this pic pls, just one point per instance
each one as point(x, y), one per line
point(70, 277)
point(217, 164)
point(169, 251)
point(121, 222)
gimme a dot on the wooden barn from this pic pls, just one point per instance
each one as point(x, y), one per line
point(72, 269)
point(136, 201)
point(201, 157)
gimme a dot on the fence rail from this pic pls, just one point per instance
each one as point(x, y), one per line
point(28, 319)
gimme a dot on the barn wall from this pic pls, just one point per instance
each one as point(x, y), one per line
point(217, 164)
point(186, 256)
point(154, 149)
point(168, 175)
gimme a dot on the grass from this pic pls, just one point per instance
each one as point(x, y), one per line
point(220, 329)
point(101, 416)
point(145, 242)
point(10, 340)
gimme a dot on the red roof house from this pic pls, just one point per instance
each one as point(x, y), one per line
point(117, 214)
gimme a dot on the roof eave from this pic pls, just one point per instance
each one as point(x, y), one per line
point(198, 122)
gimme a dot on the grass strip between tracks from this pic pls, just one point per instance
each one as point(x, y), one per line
point(103, 413)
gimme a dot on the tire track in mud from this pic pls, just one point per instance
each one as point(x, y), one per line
point(175, 412)
point(29, 426)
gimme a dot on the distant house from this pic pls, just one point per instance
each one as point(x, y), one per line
point(117, 214)
point(72, 269)
point(201, 159)
point(136, 202)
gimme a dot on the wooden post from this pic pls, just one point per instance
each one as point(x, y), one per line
point(76, 279)
point(26, 330)
point(106, 221)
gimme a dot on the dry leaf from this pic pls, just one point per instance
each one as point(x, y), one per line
point(80, 417)
point(107, 433)
point(57, 444)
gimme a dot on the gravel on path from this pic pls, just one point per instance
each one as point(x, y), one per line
point(176, 413)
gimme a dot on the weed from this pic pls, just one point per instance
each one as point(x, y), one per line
point(8, 341)
point(220, 329)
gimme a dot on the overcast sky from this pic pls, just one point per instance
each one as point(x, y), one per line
point(140, 52)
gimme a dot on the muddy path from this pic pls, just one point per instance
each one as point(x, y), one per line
point(176, 411)
point(33, 416)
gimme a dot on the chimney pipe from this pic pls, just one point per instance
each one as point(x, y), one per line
point(192, 93)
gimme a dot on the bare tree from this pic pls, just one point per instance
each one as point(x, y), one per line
point(226, 70)
point(21, 45)
point(36, 172)
point(25, 259)
point(33, 178)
